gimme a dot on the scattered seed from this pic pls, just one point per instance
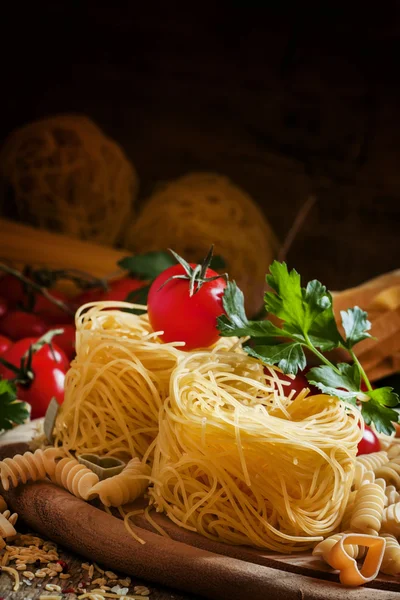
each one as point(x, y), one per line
point(21, 567)
point(52, 587)
point(141, 590)
point(111, 575)
point(40, 573)
point(64, 576)
point(28, 575)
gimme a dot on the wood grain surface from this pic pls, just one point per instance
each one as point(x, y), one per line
point(100, 537)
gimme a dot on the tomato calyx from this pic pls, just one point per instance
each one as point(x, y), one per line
point(195, 275)
point(24, 374)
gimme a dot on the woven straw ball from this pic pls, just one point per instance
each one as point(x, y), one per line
point(65, 175)
point(199, 209)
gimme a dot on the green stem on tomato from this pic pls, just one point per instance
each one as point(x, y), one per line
point(322, 358)
point(35, 286)
point(361, 369)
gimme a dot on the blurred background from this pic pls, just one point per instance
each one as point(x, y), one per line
point(287, 102)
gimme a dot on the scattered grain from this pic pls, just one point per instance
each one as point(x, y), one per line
point(111, 575)
point(65, 575)
point(52, 587)
point(28, 575)
point(141, 590)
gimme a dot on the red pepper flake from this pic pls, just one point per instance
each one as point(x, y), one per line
point(64, 565)
point(66, 591)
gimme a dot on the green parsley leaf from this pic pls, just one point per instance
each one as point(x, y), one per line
point(380, 416)
point(356, 326)
point(147, 266)
point(344, 384)
point(12, 411)
point(236, 323)
point(289, 357)
point(298, 307)
point(385, 396)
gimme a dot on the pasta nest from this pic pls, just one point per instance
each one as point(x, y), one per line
point(239, 461)
point(199, 209)
point(65, 175)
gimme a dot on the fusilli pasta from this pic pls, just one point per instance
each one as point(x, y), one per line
point(368, 508)
point(374, 460)
point(74, 477)
point(125, 487)
point(390, 472)
point(28, 467)
point(391, 519)
point(391, 558)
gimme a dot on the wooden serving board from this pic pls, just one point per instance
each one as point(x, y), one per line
point(188, 561)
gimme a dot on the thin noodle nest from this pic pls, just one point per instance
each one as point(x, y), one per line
point(238, 461)
point(117, 383)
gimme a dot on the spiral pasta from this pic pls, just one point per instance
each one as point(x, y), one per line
point(368, 508)
point(392, 495)
point(240, 463)
point(391, 520)
point(390, 472)
point(29, 467)
point(391, 558)
point(7, 522)
point(125, 487)
point(374, 460)
point(394, 451)
point(74, 477)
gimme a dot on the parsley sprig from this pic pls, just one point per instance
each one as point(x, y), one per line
point(12, 411)
point(308, 322)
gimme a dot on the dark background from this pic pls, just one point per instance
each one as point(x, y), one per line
point(287, 101)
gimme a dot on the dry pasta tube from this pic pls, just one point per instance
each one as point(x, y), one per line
point(350, 574)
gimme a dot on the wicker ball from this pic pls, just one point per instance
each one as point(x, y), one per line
point(199, 209)
point(65, 175)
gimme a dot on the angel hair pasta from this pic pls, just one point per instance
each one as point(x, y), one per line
point(237, 461)
point(117, 383)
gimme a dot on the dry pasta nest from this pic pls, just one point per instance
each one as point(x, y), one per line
point(64, 174)
point(199, 209)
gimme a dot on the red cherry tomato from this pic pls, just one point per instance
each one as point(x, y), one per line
point(3, 308)
point(12, 290)
point(50, 312)
point(117, 290)
point(298, 383)
point(5, 344)
point(18, 324)
point(66, 340)
point(49, 366)
point(183, 318)
point(369, 442)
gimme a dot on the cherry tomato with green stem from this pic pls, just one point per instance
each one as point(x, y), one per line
point(184, 302)
point(41, 380)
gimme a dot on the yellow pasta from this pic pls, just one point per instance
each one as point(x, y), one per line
point(374, 460)
point(74, 477)
point(390, 472)
point(391, 558)
point(368, 508)
point(392, 495)
point(125, 487)
point(391, 519)
point(28, 467)
point(323, 548)
point(117, 383)
point(238, 462)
